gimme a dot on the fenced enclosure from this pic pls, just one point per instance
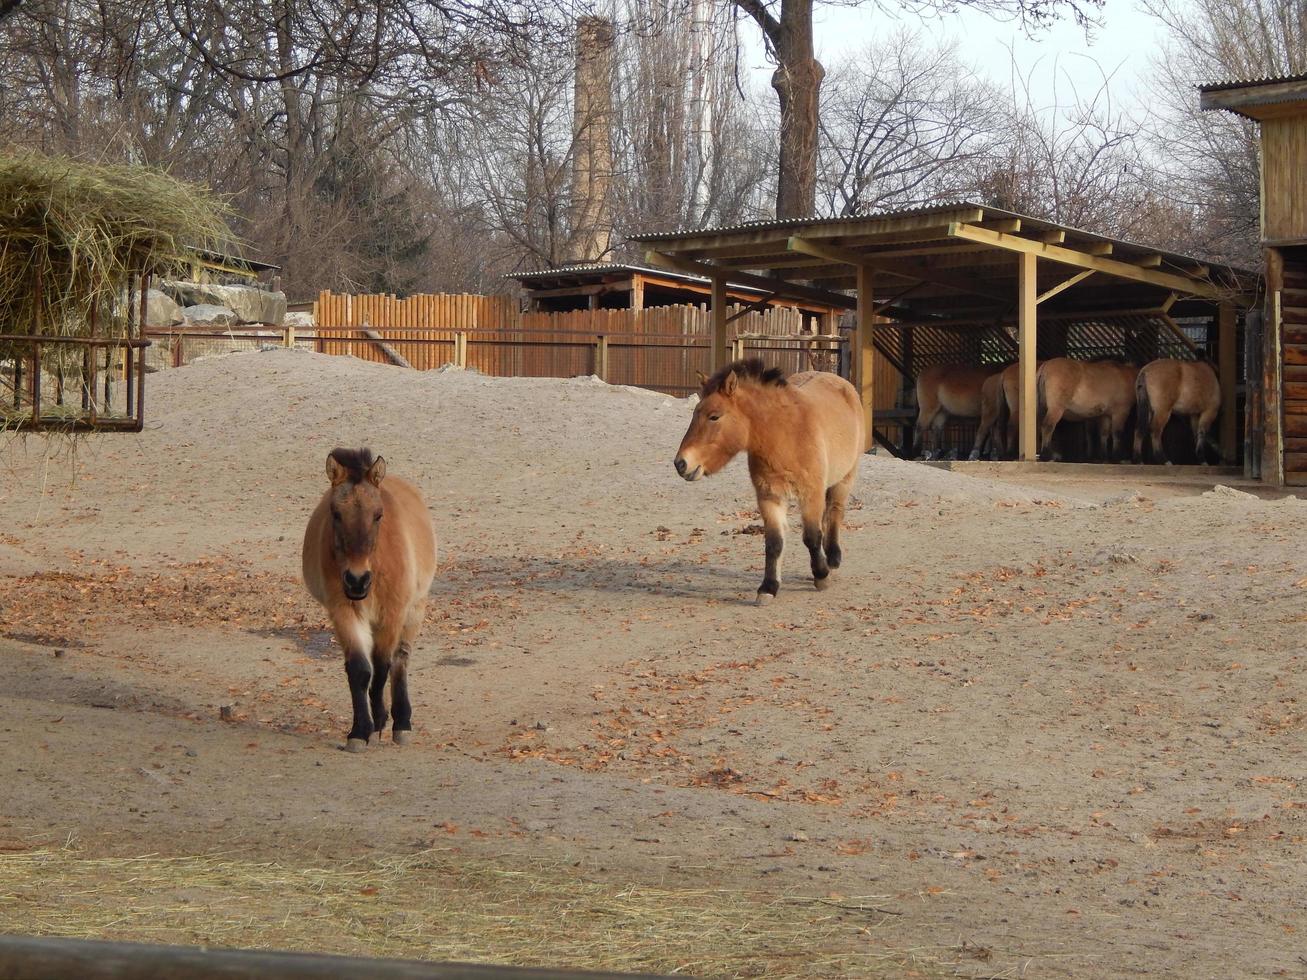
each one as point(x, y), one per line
point(661, 348)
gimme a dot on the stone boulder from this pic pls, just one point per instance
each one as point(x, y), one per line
point(210, 315)
point(250, 303)
point(161, 311)
point(299, 320)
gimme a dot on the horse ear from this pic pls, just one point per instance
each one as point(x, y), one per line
point(377, 471)
point(336, 473)
point(728, 386)
point(703, 378)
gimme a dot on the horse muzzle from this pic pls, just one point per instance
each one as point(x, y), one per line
point(356, 587)
point(683, 468)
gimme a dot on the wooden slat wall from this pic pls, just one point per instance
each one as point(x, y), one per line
point(1293, 332)
point(1284, 193)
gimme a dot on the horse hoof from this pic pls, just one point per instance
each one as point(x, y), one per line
point(822, 584)
point(403, 737)
point(356, 745)
point(764, 598)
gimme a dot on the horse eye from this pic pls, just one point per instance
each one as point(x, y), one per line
point(335, 516)
point(376, 519)
point(714, 417)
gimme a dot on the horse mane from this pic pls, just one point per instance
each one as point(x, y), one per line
point(752, 369)
point(357, 462)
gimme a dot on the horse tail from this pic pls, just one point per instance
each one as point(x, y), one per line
point(1142, 402)
point(1041, 400)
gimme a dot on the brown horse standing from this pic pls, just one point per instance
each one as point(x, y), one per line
point(993, 417)
point(804, 436)
point(1084, 390)
point(944, 391)
point(1168, 386)
point(369, 557)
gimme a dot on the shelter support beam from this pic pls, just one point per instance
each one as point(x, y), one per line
point(1226, 363)
point(720, 352)
point(866, 352)
point(1027, 304)
point(1083, 260)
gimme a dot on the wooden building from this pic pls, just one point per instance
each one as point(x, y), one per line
point(1280, 106)
point(985, 285)
point(614, 286)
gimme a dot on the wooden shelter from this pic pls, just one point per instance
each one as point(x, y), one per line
point(615, 286)
point(1003, 286)
point(1280, 106)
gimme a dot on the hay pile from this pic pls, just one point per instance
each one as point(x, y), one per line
point(442, 906)
point(74, 235)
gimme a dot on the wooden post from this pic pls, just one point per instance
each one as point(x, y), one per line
point(601, 357)
point(637, 292)
point(1227, 319)
point(719, 352)
point(864, 355)
point(460, 349)
point(1027, 352)
point(288, 335)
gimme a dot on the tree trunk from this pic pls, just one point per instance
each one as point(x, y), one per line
point(797, 81)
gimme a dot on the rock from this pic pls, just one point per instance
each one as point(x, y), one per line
point(161, 311)
point(300, 321)
point(250, 303)
point(209, 315)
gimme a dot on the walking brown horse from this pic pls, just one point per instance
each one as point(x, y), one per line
point(994, 418)
point(1084, 390)
point(369, 557)
point(804, 437)
point(944, 391)
point(1166, 387)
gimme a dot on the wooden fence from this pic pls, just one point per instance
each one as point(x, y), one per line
point(661, 348)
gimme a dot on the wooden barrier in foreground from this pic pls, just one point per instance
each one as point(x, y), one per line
point(33, 958)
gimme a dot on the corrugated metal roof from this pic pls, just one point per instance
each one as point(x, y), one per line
point(599, 267)
point(660, 236)
point(1251, 83)
point(1039, 224)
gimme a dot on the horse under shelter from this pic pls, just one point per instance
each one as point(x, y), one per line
point(972, 284)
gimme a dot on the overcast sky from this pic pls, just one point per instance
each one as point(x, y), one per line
point(1121, 48)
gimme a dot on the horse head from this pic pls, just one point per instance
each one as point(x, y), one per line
point(356, 513)
point(718, 429)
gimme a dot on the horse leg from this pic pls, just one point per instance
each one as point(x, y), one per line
point(812, 508)
point(1047, 425)
point(925, 424)
point(773, 527)
point(356, 638)
point(1202, 435)
point(399, 701)
point(937, 432)
point(836, 497)
point(1160, 418)
point(377, 690)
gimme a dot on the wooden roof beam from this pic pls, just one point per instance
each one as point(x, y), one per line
point(1063, 285)
point(1153, 261)
point(1085, 260)
point(1051, 237)
point(780, 287)
point(872, 261)
point(1095, 248)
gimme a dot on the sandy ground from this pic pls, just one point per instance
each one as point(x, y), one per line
point(1056, 728)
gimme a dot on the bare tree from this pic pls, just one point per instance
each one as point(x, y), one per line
point(787, 31)
point(902, 125)
point(1207, 162)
